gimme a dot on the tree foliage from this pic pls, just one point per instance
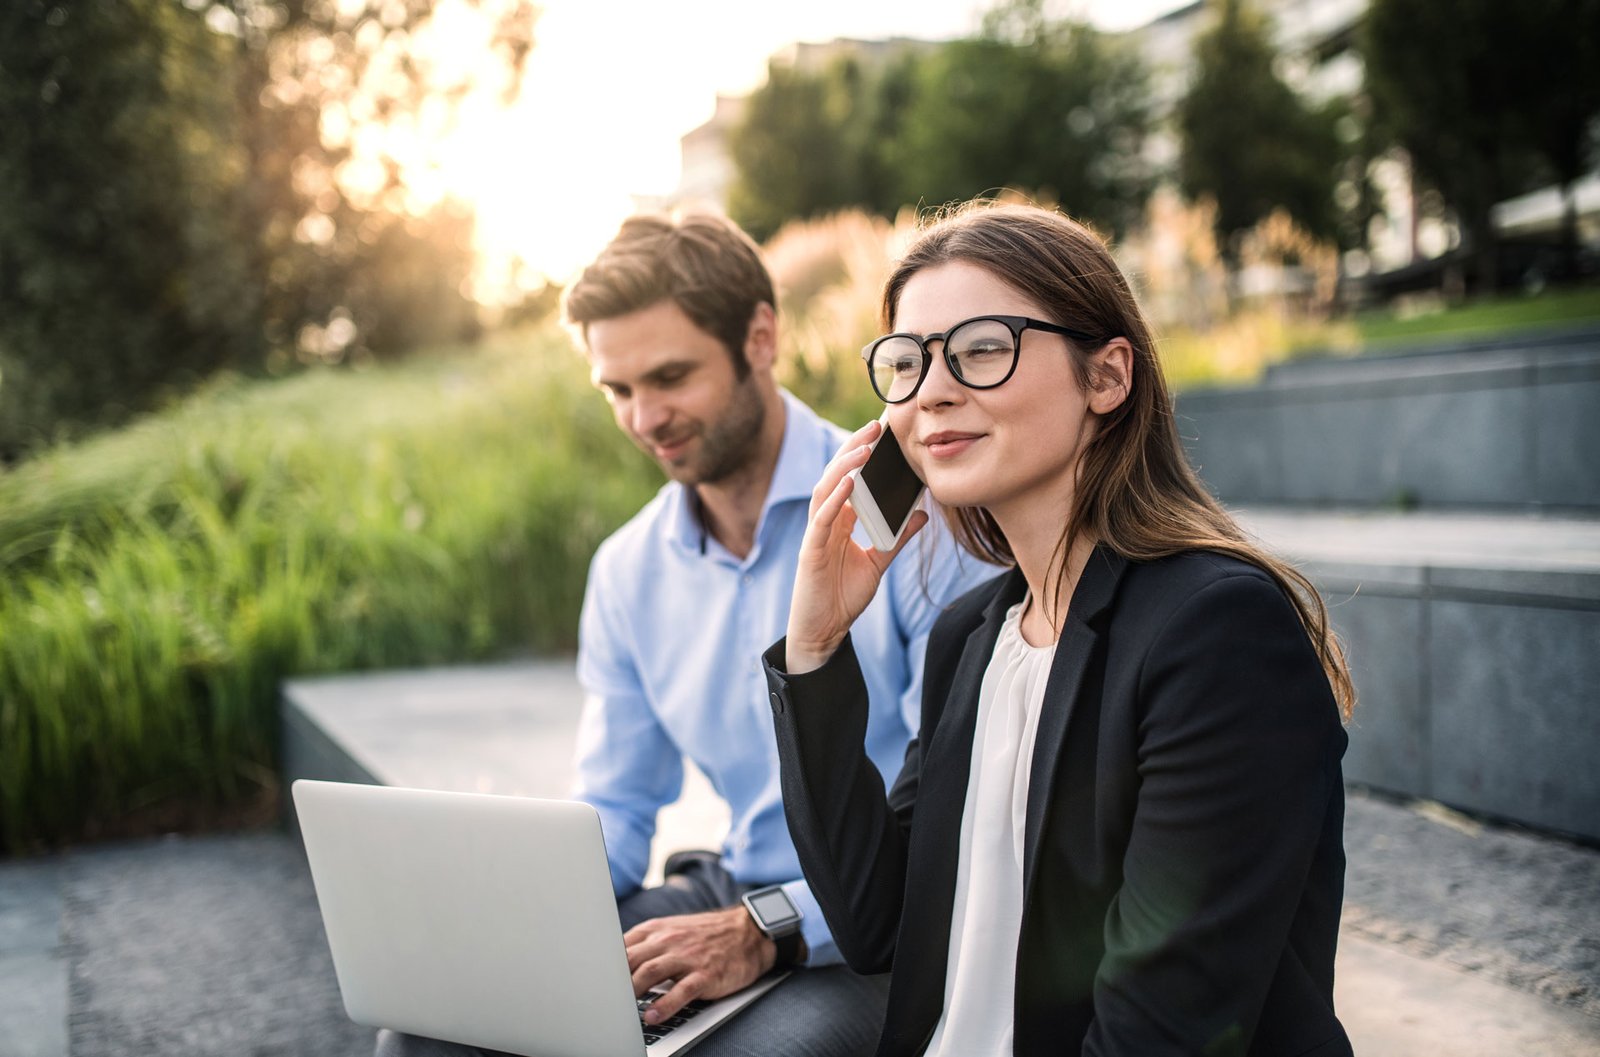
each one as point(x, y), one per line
point(1050, 108)
point(1248, 141)
point(797, 152)
point(180, 192)
point(1478, 92)
point(1562, 115)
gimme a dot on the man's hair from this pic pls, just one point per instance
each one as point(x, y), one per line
point(704, 263)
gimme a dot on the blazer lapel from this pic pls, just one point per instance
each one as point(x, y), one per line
point(924, 941)
point(1094, 592)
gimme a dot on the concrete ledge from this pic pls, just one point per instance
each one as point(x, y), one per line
point(34, 966)
point(1512, 425)
point(1472, 641)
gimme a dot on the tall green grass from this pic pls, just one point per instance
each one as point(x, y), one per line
point(157, 584)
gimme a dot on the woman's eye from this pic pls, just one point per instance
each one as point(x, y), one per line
point(907, 365)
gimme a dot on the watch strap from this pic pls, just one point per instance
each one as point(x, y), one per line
point(788, 949)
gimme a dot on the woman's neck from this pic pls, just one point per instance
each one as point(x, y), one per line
point(1034, 543)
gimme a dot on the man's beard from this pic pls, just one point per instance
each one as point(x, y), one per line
point(729, 443)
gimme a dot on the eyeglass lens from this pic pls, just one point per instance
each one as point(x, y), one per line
point(980, 353)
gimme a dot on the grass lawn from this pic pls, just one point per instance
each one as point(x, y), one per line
point(1505, 312)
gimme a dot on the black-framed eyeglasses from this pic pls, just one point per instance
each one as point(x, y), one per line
point(981, 353)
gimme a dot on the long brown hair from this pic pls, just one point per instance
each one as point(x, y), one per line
point(1136, 491)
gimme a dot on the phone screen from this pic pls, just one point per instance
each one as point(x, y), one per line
point(894, 484)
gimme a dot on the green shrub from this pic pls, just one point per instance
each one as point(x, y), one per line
point(157, 584)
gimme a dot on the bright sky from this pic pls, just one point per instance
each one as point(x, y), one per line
point(611, 85)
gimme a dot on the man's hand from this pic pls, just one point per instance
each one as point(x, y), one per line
point(706, 955)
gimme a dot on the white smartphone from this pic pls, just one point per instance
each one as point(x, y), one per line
point(886, 491)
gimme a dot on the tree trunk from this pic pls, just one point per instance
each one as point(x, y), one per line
point(1569, 233)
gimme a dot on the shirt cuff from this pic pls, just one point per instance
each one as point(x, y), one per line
point(820, 948)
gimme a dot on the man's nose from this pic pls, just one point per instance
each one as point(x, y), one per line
point(648, 415)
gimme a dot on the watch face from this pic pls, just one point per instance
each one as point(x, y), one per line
point(772, 908)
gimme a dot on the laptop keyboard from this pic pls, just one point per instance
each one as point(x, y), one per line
point(654, 1033)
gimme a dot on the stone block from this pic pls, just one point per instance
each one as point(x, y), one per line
point(1232, 441)
point(1568, 439)
point(1516, 712)
point(30, 907)
point(33, 1005)
point(1367, 446)
point(1384, 642)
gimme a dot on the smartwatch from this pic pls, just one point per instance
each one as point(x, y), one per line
point(779, 920)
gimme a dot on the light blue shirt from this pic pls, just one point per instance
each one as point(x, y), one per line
point(669, 655)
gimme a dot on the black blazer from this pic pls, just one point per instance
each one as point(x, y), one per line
point(1183, 860)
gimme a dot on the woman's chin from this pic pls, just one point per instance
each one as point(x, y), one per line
point(954, 494)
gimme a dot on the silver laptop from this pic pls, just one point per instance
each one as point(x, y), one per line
point(487, 920)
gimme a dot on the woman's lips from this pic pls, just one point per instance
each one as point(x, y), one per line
point(948, 445)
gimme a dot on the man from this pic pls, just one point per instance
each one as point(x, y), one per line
point(679, 323)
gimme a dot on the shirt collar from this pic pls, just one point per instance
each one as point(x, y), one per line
point(808, 444)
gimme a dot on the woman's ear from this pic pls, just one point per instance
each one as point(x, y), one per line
point(1111, 374)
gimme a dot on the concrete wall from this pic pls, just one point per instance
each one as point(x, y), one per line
point(1476, 690)
point(1497, 427)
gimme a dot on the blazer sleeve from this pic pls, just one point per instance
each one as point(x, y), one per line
point(850, 835)
point(1238, 761)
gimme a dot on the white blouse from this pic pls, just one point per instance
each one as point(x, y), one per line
point(981, 974)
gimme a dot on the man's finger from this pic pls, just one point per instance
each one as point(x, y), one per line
point(654, 970)
point(642, 944)
point(679, 995)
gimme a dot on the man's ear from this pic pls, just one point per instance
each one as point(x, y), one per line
point(761, 338)
point(1110, 376)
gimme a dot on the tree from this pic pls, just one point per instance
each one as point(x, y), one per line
point(172, 200)
point(795, 154)
point(1561, 105)
point(1469, 88)
point(1248, 141)
point(119, 255)
point(1051, 108)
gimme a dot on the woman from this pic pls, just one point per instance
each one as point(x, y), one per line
point(1119, 831)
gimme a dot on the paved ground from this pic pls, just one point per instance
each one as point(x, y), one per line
point(1459, 939)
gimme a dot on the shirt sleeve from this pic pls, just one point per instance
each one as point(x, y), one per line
point(628, 767)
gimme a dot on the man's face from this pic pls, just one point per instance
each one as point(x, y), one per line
point(674, 390)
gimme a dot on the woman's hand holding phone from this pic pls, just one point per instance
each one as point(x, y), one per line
point(836, 578)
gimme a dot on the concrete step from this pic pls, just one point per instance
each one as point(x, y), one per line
point(1474, 641)
point(1513, 424)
